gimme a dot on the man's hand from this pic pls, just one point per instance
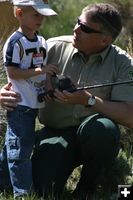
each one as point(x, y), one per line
point(9, 98)
point(78, 97)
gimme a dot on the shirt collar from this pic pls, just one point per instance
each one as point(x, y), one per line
point(101, 54)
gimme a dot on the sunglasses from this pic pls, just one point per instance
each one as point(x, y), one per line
point(85, 28)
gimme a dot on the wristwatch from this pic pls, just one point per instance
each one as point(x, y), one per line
point(91, 101)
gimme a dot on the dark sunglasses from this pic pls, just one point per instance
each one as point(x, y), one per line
point(86, 29)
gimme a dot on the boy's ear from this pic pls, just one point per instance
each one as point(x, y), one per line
point(18, 12)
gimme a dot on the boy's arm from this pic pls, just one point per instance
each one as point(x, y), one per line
point(17, 73)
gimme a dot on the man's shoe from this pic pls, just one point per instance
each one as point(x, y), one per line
point(81, 195)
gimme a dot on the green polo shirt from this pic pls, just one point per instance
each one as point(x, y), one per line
point(112, 64)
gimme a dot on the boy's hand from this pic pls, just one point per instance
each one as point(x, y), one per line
point(50, 69)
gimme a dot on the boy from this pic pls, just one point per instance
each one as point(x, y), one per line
point(25, 57)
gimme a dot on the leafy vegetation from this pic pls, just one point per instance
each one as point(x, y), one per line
point(68, 11)
point(121, 171)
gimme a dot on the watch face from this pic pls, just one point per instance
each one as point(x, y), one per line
point(91, 101)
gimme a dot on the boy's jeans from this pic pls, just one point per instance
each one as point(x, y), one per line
point(5, 182)
point(20, 138)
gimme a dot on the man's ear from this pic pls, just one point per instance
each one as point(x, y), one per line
point(106, 40)
point(19, 12)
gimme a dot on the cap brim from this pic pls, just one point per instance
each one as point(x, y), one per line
point(47, 11)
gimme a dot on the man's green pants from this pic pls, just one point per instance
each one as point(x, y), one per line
point(93, 144)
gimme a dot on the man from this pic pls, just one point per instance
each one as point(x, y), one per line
point(81, 127)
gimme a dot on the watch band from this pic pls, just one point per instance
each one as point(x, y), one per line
point(91, 101)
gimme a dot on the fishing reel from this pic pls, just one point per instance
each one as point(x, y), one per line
point(59, 82)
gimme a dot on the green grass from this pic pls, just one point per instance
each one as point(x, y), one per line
point(119, 174)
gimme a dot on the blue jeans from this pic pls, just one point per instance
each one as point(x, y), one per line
point(5, 182)
point(20, 138)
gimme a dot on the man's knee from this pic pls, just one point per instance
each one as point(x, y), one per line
point(99, 136)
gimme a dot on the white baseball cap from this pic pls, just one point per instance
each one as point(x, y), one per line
point(40, 6)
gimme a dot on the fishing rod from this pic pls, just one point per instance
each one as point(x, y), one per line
point(103, 85)
point(65, 83)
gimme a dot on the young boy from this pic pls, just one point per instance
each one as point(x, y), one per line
point(25, 57)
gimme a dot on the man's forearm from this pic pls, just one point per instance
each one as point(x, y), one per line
point(120, 112)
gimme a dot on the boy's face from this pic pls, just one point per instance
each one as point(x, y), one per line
point(30, 18)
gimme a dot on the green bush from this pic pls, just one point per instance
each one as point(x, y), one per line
point(68, 11)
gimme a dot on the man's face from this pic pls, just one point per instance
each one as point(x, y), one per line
point(88, 36)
